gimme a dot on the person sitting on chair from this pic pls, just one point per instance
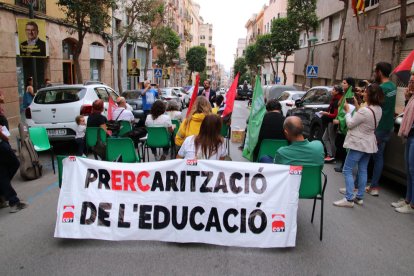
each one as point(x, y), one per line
point(300, 152)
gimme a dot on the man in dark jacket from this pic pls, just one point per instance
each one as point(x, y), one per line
point(209, 93)
point(272, 125)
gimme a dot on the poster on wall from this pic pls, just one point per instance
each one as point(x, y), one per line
point(32, 37)
point(133, 67)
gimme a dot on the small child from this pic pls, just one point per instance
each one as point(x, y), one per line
point(80, 135)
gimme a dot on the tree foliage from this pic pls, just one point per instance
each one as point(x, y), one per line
point(253, 58)
point(240, 67)
point(196, 59)
point(285, 39)
point(85, 17)
point(266, 48)
point(302, 13)
point(167, 42)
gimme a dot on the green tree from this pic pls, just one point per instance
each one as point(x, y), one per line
point(285, 38)
point(266, 48)
point(253, 59)
point(196, 60)
point(138, 12)
point(167, 42)
point(85, 17)
point(240, 67)
point(302, 13)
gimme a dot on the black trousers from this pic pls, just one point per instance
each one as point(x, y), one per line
point(9, 164)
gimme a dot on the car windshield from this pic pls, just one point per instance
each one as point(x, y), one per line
point(296, 96)
point(131, 95)
point(59, 96)
point(284, 96)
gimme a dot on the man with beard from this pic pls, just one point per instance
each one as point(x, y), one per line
point(209, 93)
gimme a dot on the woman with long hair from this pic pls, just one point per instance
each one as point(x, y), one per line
point(208, 144)
point(361, 142)
point(191, 125)
point(157, 118)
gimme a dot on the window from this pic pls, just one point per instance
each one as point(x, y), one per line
point(39, 5)
point(203, 44)
point(371, 3)
point(102, 94)
point(202, 37)
point(317, 96)
point(283, 97)
point(319, 31)
point(112, 93)
point(334, 27)
point(59, 96)
point(303, 40)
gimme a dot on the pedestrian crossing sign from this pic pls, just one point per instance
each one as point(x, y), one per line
point(312, 71)
point(158, 73)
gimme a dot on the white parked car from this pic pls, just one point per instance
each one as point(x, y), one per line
point(56, 107)
point(172, 94)
point(287, 100)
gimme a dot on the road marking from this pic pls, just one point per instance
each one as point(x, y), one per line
point(42, 192)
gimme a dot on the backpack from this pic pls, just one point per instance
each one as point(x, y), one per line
point(30, 167)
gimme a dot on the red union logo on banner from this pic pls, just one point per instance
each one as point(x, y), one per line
point(295, 170)
point(68, 214)
point(191, 162)
point(278, 224)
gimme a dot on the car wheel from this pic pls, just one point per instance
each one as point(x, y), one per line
point(316, 133)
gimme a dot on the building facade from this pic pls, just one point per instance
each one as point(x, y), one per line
point(361, 48)
point(58, 65)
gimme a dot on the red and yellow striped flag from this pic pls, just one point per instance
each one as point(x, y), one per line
point(358, 6)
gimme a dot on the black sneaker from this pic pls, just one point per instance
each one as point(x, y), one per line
point(18, 206)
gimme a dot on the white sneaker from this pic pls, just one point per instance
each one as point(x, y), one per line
point(358, 201)
point(372, 191)
point(406, 209)
point(344, 203)
point(400, 203)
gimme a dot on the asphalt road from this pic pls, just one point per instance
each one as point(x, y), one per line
point(368, 240)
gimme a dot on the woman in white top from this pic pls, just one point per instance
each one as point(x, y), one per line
point(174, 111)
point(361, 142)
point(208, 144)
point(157, 118)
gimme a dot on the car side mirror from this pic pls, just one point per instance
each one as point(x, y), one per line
point(298, 103)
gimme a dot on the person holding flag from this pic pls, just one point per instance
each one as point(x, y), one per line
point(255, 120)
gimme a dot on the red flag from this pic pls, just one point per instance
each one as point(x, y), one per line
point(111, 108)
point(230, 97)
point(194, 96)
point(358, 6)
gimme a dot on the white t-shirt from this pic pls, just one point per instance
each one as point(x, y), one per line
point(80, 131)
point(162, 121)
point(126, 115)
point(187, 150)
point(175, 115)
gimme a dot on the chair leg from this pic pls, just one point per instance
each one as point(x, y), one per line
point(313, 210)
point(53, 160)
point(321, 230)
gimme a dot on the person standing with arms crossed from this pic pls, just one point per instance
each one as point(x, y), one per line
point(386, 125)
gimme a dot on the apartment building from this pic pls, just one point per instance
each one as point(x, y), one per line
point(361, 48)
point(206, 40)
point(57, 65)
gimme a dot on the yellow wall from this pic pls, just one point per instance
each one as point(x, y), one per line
point(8, 1)
point(53, 10)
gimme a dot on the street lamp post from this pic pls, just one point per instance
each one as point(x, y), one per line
point(312, 40)
point(277, 57)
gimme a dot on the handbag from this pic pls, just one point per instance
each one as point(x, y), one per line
point(114, 125)
point(100, 148)
point(375, 120)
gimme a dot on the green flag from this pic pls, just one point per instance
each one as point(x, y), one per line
point(257, 113)
point(341, 112)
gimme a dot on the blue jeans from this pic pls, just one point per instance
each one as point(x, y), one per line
point(266, 159)
point(361, 159)
point(382, 137)
point(409, 162)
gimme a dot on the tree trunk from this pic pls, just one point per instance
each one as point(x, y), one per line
point(190, 80)
point(78, 70)
point(403, 33)
point(283, 70)
point(147, 54)
point(337, 46)
point(119, 69)
point(306, 62)
point(273, 67)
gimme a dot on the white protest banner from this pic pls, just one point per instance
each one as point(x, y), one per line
point(215, 202)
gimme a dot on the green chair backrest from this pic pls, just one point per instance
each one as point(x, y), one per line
point(125, 128)
point(60, 167)
point(311, 183)
point(121, 146)
point(39, 138)
point(158, 137)
point(270, 147)
point(92, 135)
point(224, 130)
point(177, 126)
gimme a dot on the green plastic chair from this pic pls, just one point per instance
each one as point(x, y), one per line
point(125, 128)
point(92, 137)
point(270, 147)
point(40, 140)
point(311, 188)
point(225, 132)
point(123, 147)
point(177, 124)
point(157, 137)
